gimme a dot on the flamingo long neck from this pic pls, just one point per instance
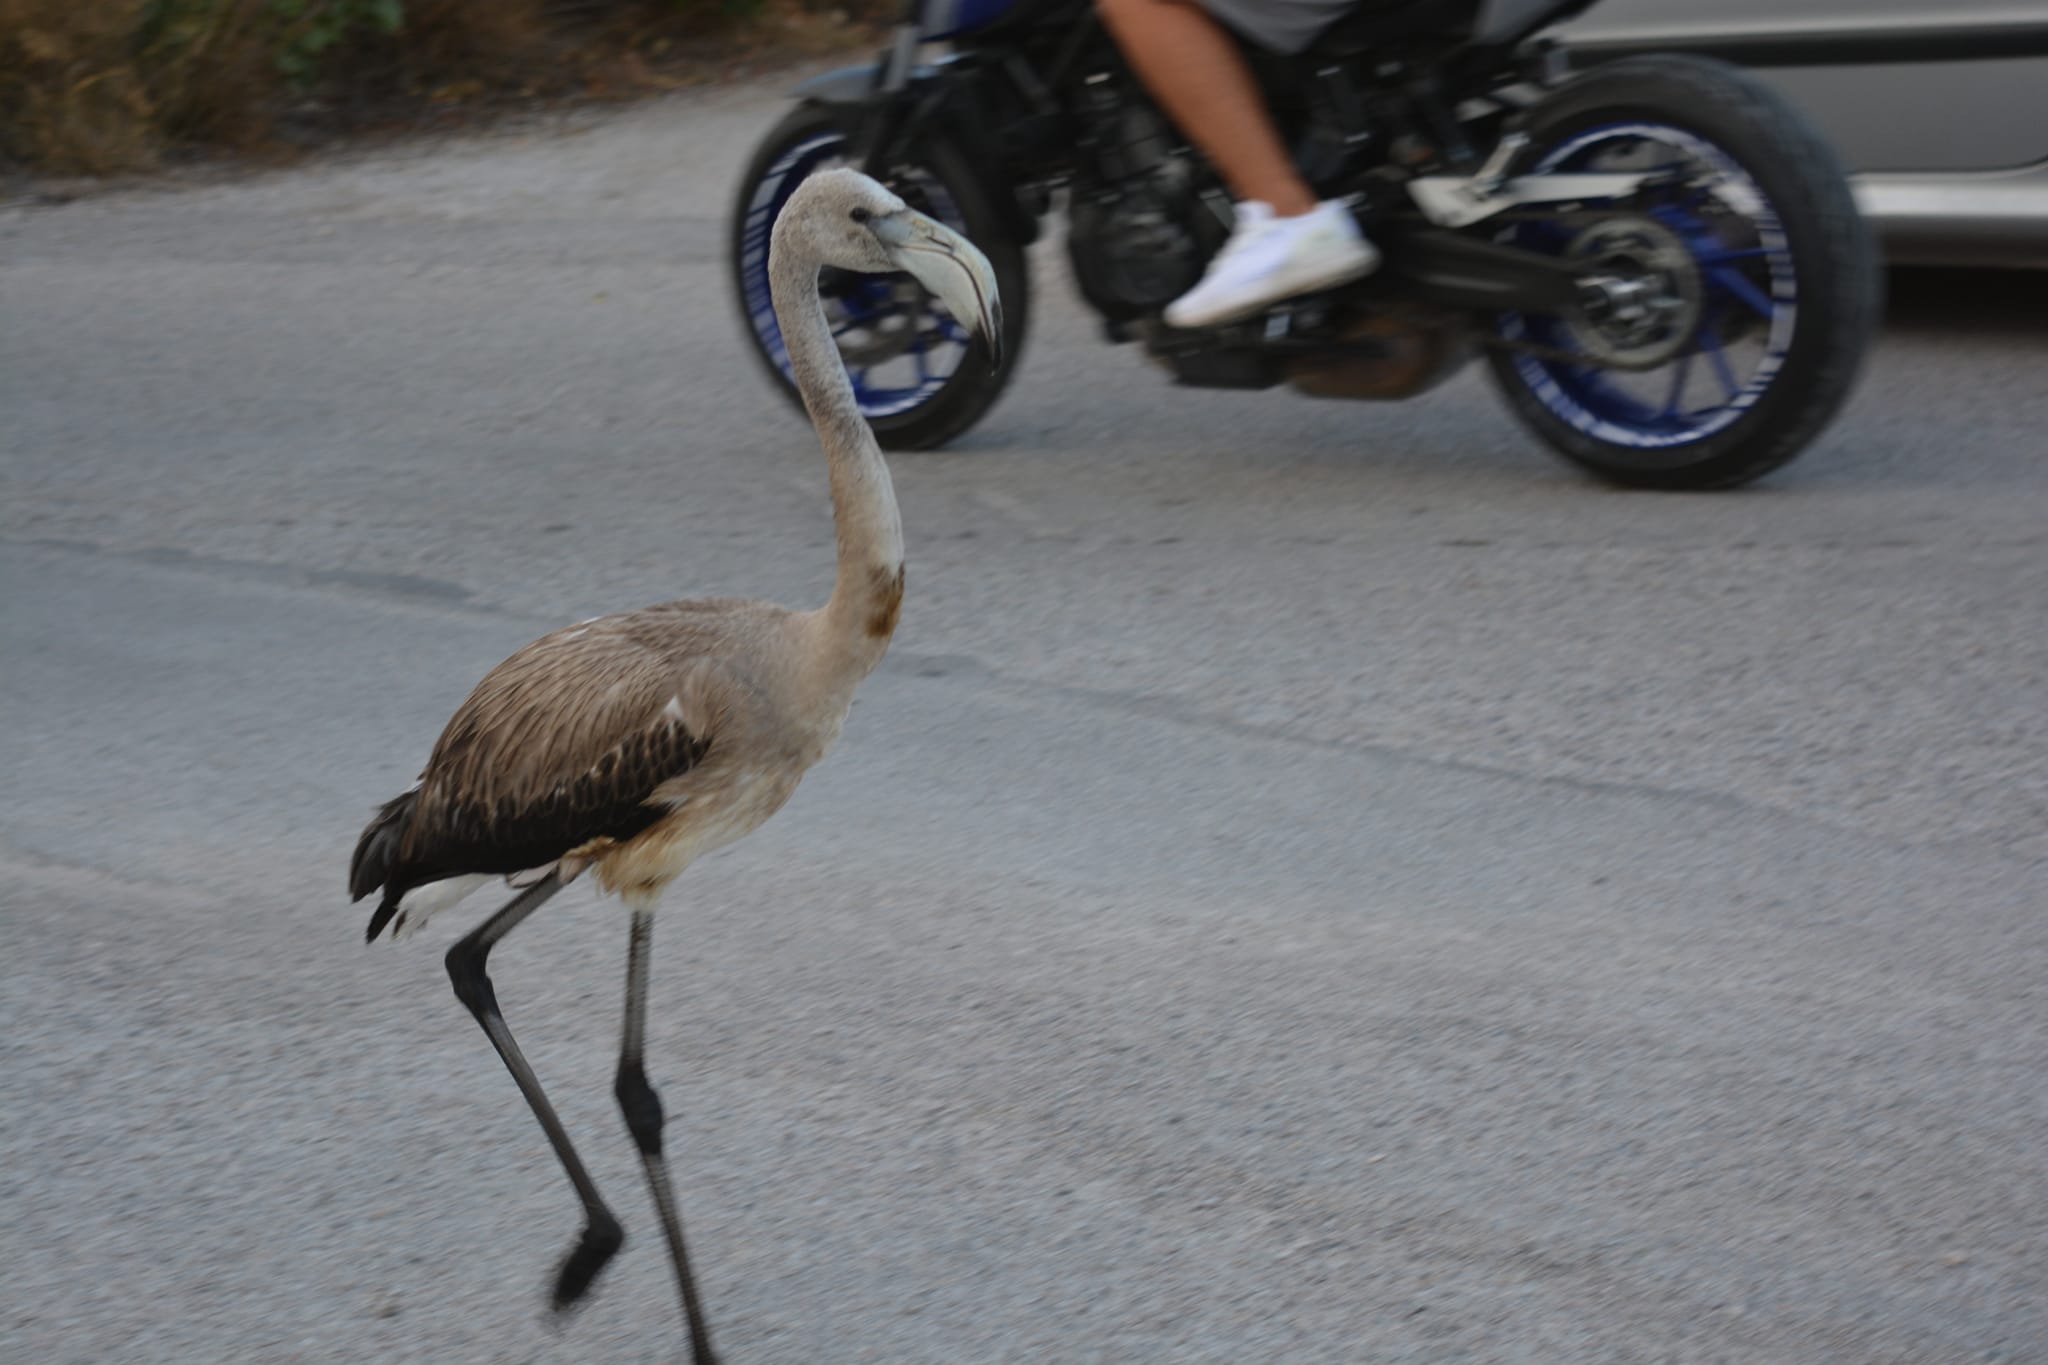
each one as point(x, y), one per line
point(861, 614)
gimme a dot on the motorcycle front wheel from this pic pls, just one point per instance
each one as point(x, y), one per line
point(1725, 306)
point(918, 381)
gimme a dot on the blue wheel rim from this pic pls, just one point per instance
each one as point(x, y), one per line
point(1744, 315)
point(901, 348)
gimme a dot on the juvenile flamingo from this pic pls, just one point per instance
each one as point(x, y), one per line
point(631, 745)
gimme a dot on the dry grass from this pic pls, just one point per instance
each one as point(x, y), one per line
point(98, 86)
point(71, 97)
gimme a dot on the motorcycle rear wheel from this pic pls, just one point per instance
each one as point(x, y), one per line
point(1754, 248)
point(919, 382)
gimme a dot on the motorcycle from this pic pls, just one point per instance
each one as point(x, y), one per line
point(1658, 258)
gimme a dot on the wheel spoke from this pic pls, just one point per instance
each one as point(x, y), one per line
point(1700, 194)
point(1748, 294)
point(1678, 378)
point(1711, 341)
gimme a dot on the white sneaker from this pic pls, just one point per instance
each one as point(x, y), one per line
point(1268, 259)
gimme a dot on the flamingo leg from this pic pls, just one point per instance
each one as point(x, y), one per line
point(642, 1108)
point(602, 1235)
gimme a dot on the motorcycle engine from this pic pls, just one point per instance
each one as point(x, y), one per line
point(1129, 233)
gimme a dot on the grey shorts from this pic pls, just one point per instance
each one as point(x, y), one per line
point(1284, 26)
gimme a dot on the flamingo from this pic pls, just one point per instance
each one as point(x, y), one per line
point(631, 745)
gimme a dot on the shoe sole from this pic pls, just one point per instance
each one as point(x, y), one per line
point(1328, 280)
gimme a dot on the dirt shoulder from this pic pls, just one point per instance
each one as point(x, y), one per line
point(98, 96)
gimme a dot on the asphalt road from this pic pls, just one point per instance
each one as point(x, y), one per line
point(1312, 882)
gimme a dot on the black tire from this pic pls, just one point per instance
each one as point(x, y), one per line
point(972, 388)
point(1834, 260)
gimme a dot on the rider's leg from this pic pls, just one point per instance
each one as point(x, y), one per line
point(1285, 242)
point(1195, 71)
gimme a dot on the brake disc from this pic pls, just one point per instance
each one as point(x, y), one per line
point(1639, 298)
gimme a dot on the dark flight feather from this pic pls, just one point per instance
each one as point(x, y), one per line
point(564, 742)
point(412, 841)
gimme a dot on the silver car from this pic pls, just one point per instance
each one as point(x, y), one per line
point(1941, 111)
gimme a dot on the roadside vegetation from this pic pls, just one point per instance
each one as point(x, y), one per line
point(94, 87)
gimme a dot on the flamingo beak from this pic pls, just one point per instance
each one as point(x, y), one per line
point(952, 267)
